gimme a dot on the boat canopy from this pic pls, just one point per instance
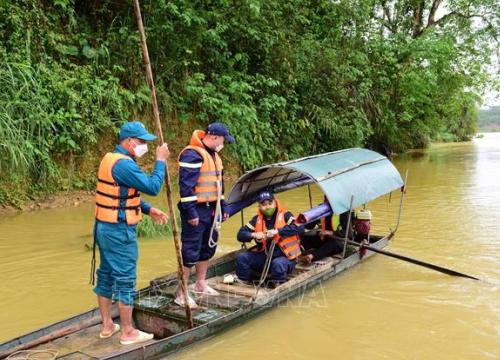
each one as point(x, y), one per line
point(361, 174)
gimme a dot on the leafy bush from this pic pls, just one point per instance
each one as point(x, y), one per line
point(290, 78)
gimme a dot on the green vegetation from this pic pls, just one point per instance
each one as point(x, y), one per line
point(489, 119)
point(290, 78)
point(147, 228)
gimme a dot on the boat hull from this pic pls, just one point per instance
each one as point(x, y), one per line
point(171, 330)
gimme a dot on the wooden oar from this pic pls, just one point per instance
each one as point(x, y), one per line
point(159, 133)
point(411, 260)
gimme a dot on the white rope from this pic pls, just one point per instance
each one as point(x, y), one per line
point(48, 354)
point(216, 225)
point(265, 270)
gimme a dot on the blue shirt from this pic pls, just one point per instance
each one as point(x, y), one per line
point(128, 174)
point(188, 177)
point(245, 232)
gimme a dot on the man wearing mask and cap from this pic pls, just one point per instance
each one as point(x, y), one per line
point(119, 209)
point(202, 204)
point(272, 223)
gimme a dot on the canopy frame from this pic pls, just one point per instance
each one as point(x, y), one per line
point(340, 175)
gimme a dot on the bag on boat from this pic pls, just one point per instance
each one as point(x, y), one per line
point(362, 225)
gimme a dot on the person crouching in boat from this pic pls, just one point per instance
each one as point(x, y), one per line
point(272, 223)
point(320, 243)
point(321, 239)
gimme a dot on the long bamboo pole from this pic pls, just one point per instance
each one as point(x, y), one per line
point(168, 187)
point(435, 267)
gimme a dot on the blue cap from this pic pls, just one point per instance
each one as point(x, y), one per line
point(220, 129)
point(265, 195)
point(135, 129)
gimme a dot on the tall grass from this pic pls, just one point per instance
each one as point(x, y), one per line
point(148, 229)
point(17, 108)
point(48, 113)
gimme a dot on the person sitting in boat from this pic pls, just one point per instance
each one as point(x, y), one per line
point(272, 223)
point(319, 242)
point(322, 238)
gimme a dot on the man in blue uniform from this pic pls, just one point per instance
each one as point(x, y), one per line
point(202, 204)
point(118, 210)
point(271, 223)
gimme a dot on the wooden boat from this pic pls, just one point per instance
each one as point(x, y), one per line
point(154, 310)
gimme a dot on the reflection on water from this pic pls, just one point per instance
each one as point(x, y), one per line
point(383, 309)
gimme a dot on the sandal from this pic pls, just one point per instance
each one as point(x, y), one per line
point(143, 336)
point(207, 291)
point(116, 328)
point(179, 300)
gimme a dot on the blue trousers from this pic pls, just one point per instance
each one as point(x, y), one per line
point(254, 261)
point(116, 276)
point(195, 244)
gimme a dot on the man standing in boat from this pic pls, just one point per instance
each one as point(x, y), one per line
point(202, 204)
point(272, 223)
point(119, 209)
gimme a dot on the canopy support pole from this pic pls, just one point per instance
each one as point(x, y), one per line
point(346, 236)
point(401, 200)
point(310, 196)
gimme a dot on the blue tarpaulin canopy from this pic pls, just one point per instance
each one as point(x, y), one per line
point(359, 173)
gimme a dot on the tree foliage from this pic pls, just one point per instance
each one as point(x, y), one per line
point(290, 78)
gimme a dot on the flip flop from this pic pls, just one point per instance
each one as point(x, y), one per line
point(179, 300)
point(139, 339)
point(116, 328)
point(208, 290)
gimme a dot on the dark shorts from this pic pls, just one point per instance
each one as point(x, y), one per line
point(195, 239)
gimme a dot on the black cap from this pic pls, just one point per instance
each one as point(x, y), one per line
point(220, 129)
point(265, 195)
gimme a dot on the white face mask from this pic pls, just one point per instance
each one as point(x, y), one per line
point(219, 147)
point(140, 150)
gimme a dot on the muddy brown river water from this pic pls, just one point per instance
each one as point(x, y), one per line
point(383, 309)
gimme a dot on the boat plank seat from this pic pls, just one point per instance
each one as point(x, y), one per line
point(302, 275)
point(236, 288)
point(224, 300)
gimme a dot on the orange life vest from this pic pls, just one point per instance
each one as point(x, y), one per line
point(329, 223)
point(209, 185)
point(290, 245)
point(108, 197)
